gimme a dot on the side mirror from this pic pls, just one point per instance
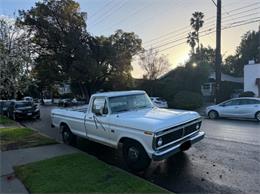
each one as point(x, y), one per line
point(99, 112)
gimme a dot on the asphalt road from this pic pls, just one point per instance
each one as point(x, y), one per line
point(226, 161)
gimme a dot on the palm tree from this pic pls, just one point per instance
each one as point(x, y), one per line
point(191, 40)
point(196, 23)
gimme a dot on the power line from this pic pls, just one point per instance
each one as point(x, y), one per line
point(209, 19)
point(214, 3)
point(228, 26)
point(110, 12)
point(210, 25)
point(98, 11)
point(152, 17)
point(128, 16)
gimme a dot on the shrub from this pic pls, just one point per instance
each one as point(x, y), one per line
point(227, 89)
point(187, 100)
point(247, 94)
point(67, 95)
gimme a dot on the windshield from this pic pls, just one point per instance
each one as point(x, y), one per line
point(129, 102)
point(22, 104)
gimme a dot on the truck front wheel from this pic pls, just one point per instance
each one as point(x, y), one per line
point(67, 136)
point(135, 156)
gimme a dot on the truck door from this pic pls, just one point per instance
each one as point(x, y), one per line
point(97, 121)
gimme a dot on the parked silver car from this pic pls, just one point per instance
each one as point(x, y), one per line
point(236, 108)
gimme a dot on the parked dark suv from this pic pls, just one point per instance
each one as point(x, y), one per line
point(4, 105)
point(23, 109)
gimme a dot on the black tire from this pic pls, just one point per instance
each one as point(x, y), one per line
point(67, 136)
point(213, 114)
point(257, 116)
point(135, 156)
point(38, 116)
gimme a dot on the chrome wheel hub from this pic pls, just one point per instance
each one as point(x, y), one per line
point(212, 115)
point(133, 153)
point(66, 136)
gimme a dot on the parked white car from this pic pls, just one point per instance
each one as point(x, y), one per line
point(145, 131)
point(47, 101)
point(159, 102)
point(248, 108)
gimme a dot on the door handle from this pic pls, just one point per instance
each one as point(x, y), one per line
point(90, 117)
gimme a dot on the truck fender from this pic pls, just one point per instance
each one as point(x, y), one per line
point(137, 139)
point(63, 123)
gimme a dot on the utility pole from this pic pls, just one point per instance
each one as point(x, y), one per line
point(218, 53)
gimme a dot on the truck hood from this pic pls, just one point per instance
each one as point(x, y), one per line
point(155, 119)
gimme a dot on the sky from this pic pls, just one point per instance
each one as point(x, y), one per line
point(162, 24)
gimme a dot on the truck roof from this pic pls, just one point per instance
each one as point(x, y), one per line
point(118, 93)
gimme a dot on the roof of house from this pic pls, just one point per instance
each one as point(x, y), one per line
point(226, 77)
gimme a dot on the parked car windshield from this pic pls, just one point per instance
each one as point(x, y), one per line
point(22, 104)
point(129, 102)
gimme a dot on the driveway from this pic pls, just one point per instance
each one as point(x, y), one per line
point(226, 161)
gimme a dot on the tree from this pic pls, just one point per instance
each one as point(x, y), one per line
point(59, 35)
point(109, 62)
point(192, 39)
point(248, 49)
point(153, 64)
point(16, 59)
point(196, 23)
point(66, 51)
point(204, 57)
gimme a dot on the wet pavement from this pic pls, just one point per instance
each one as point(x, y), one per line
point(226, 161)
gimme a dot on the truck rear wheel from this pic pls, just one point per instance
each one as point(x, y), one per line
point(135, 156)
point(67, 136)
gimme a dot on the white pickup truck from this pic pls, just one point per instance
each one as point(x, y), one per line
point(130, 118)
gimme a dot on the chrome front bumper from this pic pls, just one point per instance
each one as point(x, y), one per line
point(160, 155)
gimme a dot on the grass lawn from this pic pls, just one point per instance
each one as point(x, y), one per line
point(16, 137)
point(6, 121)
point(80, 173)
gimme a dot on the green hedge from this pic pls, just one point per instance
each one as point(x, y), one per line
point(187, 100)
point(247, 94)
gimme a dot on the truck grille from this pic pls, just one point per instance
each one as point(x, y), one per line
point(179, 133)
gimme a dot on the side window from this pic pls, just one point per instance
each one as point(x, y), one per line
point(254, 101)
point(232, 103)
point(248, 101)
point(244, 102)
point(98, 104)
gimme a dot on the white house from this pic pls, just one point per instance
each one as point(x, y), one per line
point(63, 88)
point(252, 77)
point(208, 89)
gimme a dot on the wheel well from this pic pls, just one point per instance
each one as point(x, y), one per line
point(257, 113)
point(64, 124)
point(213, 111)
point(127, 140)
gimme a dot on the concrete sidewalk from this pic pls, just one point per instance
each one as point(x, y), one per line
point(11, 158)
